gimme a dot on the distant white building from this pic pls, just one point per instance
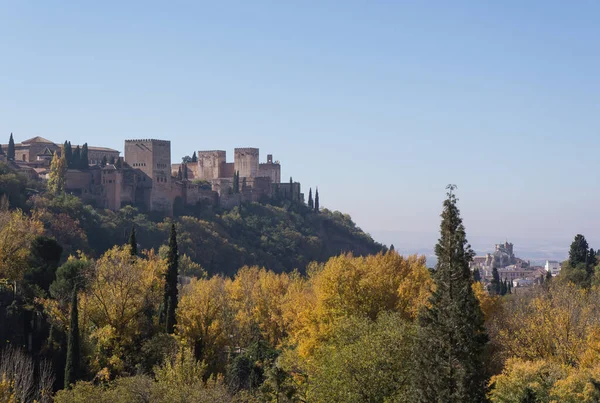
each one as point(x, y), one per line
point(553, 267)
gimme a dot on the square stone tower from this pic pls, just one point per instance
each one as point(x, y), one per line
point(153, 159)
point(246, 162)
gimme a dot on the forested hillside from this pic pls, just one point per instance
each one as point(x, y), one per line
point(280, 235)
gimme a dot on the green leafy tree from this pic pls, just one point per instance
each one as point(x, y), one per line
point(578, 253)
point(84, 161)
point(170, 295)
point(449, 365)
point(317, 201)
point(364, 361)
point(311, 203)
point(133, 242)
point(579, 269)
point(10, 152)
point(56, 177)
point(72, 371)
point(43, 261)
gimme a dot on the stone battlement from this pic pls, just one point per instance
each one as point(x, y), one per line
point(148, 141)
point(248, 150)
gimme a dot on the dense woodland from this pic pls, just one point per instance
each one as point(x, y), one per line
point(276, 303)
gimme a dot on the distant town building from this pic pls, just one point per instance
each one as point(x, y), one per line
point(552, 266)
point(503, 256)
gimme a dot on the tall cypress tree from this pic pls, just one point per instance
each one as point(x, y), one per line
point(10, 152)
point(84, 161)
point(495, 283)
point(170, 300)
point(104, 161)
point(449, 364)
point(68, 154)
point(1, 150)
point(76, 158)
point(133, 242)
point(311, 203)
point(72, 365)
point(317, 201)
point(194, 157)
point(185, 171)
point(179, 174)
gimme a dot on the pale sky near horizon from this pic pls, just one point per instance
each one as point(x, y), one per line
point(380, 104)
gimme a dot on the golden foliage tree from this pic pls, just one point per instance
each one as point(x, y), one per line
point(17, 231)
point(56, 177)
point(205, 318)
point(355, 286)
point(120, 290)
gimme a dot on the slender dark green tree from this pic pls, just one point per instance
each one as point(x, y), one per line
point(68, 154)
point(311, 203)
point(73, 352)
point(133, 242)
point(179, 174)
point(104, 161)
point(317, 201)
point(76, 158)
point(10, 152)
point(112, 159)
point(449, 365)
point(495, 283)
point(170, 300)
point(84, 161)
point(185, 171)
point(1, 150)
point(392, 248)
point(194, 157)
point(236, 182)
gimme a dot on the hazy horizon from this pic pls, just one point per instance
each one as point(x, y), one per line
point(379, 105)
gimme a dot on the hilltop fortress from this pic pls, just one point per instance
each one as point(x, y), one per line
point(146, 178)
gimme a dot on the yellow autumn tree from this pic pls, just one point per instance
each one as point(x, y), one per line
point(554, 323)
point(121, 289)
point(257, 296)
point(205, 318)
point(58, 170)
point(17, 231)
point(356, 286)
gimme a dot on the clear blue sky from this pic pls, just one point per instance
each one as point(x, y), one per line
point(380, 104)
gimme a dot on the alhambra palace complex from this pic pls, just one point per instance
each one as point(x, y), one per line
point(146, 178)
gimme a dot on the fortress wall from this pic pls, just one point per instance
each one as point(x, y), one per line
point(270, 170)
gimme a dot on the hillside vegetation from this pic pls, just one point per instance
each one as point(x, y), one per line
point(280, 235)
